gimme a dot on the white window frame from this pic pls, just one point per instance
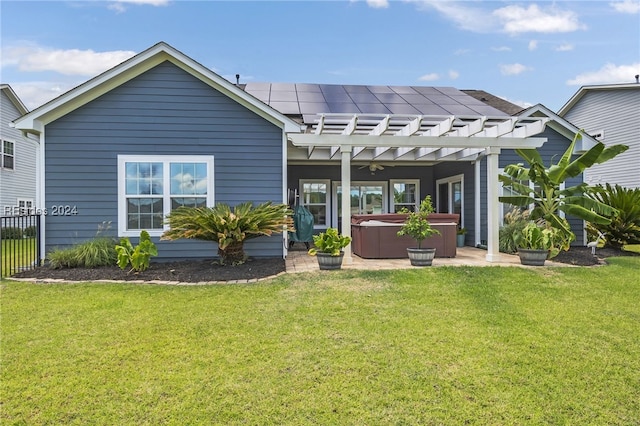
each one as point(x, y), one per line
point(335, 217)
point(392, 182)
point(2, 154)
point(450, 181)
point(27, 206)
point(327, 199)
point(166, 196)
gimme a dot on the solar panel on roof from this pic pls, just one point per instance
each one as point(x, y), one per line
point(390, 98)
point(427, 90)
point(379, 89)
point(306, 87)
point(356, 89)
point(362, 97)
point(415, 99)
point(450, 91)
point(282, 96)
point(313, 107)
point(310, 97)
point(402, 109)
point(287, 87)
point(251, 86)
point(458, 109)
point(332, 88)
point(403, 90)
point(343, 107)
point(468, 100)
point(373, 108)
point(441, 100)
point(431, 109)
point(286, 107)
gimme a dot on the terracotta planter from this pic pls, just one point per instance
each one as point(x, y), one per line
point(532, 257)
point(421, 256)
point(327, 262)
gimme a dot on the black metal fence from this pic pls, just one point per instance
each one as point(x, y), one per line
point(20, 243)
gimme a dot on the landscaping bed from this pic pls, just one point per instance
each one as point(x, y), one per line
point(192, 271)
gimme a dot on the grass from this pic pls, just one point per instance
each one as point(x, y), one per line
point(23, 249)
point(430, 346)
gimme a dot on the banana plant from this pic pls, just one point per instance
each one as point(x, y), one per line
point(547, 197)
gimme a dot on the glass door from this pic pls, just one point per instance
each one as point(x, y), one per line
point(366, 198)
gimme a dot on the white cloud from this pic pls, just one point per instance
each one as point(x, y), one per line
point(29, 58)
point(501, 49)
point(120, 5)
point(513, 69)
point(566, 47)
point(626, 6)
point(533, 45)
point(517, 19)
point(35, 93)
point(608, 74)
point(378, 4)
point(453, 74)
point(466, 17)
point(429, 77)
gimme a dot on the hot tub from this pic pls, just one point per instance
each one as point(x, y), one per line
point(375, 236)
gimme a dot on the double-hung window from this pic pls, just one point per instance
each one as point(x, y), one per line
point(7, 157)
point(406, 194)
point(151, 186)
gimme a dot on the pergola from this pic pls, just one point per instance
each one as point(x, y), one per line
point(420, 138)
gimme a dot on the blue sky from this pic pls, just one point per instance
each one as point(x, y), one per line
point(526, 52)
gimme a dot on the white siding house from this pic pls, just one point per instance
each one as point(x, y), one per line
point(611, 113)
point(18, 156)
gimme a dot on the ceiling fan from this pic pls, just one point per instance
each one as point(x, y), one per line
point(373, 167)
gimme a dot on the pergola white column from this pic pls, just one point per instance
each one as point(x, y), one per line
point(421, 139)
point(345, 151)
point(493, 205)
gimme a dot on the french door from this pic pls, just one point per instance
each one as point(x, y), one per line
point(366, 198)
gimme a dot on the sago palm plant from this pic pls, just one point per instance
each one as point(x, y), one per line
point(230, 228)
point(625, 223)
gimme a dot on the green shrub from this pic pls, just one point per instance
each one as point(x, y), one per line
point(99, 251)
point(139, 256)
point(30, 231)
point(10, 233)
point(625, 223)
point(228, 227)
point(514, 223)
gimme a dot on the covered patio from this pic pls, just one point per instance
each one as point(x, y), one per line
point(419, 139)
point(299, 261)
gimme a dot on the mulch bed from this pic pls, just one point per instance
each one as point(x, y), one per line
point(188, 271)
point(195, 271)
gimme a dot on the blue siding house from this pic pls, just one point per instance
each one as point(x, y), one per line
point(160, 131)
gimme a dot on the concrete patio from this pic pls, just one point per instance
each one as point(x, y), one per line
point(299, 261)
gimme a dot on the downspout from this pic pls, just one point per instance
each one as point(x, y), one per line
point(477, 203)
point(40, 195)
point(285, 179)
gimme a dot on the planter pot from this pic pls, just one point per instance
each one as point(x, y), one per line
point(532, 257)
point(327, 262)
point(460, 240)
point(421, 256)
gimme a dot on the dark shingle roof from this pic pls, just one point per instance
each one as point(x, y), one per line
point(494, 101)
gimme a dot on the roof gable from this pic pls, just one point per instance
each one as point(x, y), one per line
point(137, 65)
point(560, 125)
point(15, 100)
point(586, 89)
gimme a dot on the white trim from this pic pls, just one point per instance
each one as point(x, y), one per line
point(450, 181)
point(165, 159)
point(392, 203)
point(40, 195)
point(327, 202)
point(334, 198)
point(477, 203)
point(493, 191)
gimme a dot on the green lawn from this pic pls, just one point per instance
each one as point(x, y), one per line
point(442, 345)
point(25, 249)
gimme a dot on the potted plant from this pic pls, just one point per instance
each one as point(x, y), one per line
point(535, 243)
point(328, 248)
point(418, 227)
point(460, 236)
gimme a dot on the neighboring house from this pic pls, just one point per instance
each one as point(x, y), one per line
point(611, 113)
point(18, 156)
point(160, 131)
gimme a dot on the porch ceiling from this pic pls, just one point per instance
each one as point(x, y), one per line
point(415, 137)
